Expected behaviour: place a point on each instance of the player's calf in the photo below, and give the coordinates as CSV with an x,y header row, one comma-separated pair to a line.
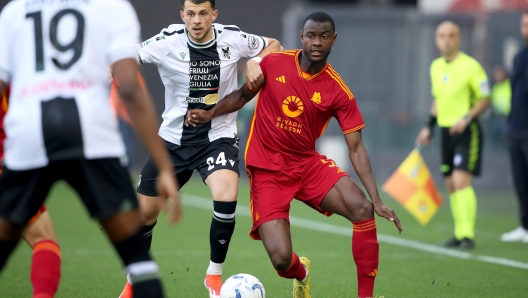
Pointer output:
x,y
124,230
365,251
142,271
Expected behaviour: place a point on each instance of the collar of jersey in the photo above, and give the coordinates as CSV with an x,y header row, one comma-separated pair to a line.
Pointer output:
x,y
205,45
300,70
457,58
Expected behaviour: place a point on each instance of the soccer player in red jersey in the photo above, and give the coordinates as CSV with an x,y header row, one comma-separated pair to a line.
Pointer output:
x,y
301,94
39,234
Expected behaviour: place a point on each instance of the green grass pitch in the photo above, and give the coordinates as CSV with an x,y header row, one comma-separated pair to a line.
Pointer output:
x,y
90,267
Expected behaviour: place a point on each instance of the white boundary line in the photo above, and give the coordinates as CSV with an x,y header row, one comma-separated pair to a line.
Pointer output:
x,y
205,203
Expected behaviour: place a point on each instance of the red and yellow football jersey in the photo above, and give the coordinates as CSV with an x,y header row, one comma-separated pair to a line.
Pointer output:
x,y
3,110
293,110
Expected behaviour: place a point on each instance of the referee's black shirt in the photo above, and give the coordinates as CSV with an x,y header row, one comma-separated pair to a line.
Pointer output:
x,y
518,119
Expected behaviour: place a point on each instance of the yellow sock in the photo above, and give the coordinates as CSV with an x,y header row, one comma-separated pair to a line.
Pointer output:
x,y
467,211
455,209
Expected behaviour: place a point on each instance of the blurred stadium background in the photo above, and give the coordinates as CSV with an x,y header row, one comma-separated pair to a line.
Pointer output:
x,y
383,53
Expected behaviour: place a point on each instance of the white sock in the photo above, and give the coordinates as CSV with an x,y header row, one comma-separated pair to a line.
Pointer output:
x,y
129,279
215,268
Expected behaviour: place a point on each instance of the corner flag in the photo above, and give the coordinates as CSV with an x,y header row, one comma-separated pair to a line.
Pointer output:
x,y
413,187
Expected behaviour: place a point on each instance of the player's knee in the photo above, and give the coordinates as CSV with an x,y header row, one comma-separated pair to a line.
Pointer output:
x,y
361,209
149,209
281,260
225,194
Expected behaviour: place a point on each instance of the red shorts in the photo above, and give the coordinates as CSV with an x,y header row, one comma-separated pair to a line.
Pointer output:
x,y
273,191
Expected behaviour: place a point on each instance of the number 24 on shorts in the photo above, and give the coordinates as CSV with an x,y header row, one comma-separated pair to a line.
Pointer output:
x,y
220,160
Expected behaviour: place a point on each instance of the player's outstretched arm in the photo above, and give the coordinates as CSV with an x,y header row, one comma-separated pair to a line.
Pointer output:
x,y
141,111
361,163
231,103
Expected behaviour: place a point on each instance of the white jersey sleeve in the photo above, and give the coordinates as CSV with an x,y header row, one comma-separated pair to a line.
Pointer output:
x,y
250,45
153,50
124,33
5,44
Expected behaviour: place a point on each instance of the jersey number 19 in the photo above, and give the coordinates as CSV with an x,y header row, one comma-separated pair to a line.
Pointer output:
x,y
76,44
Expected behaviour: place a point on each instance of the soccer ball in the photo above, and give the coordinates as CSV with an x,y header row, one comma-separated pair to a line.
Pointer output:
x,y
242,285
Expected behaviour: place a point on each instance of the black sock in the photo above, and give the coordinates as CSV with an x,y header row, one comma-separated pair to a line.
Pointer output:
x,y
6,248
144,272
222,227
147,234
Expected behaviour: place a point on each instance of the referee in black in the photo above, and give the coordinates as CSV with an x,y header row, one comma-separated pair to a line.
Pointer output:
x,y
518,135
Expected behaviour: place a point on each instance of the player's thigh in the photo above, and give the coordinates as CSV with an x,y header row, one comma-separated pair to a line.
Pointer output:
x,y
218,166
23,192
271,193
223,185
39,230
319,178
104,185
348,200
276,237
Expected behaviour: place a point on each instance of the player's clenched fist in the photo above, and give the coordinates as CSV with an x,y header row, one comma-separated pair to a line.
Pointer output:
x,y
197,116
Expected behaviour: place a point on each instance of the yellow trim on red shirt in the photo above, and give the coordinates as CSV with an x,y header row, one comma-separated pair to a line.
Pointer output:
x,y
334,75
354,129
301,72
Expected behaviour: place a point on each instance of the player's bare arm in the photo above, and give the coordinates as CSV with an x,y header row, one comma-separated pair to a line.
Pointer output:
x,y
231,103
254,75
2,86
141,112
361,163
481,106
426,134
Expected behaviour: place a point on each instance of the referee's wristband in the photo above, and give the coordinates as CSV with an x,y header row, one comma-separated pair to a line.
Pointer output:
x,y
431,122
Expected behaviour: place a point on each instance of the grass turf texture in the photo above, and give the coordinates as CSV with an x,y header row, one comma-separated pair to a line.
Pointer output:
x,y
91,268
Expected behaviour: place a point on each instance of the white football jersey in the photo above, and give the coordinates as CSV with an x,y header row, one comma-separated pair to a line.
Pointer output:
x,y
57,57
197,76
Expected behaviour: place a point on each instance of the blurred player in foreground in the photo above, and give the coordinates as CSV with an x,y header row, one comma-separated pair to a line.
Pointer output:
x,y
518,135
461,93
197,62
301,94
39,234
60,126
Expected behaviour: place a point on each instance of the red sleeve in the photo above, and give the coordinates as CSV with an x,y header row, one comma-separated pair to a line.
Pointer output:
x,y
348,115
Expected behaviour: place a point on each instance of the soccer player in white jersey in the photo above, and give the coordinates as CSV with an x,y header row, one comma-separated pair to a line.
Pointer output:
x,y
197,62
59,126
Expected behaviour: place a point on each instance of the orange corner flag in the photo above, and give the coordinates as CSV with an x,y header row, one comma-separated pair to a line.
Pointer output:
x,y
412,186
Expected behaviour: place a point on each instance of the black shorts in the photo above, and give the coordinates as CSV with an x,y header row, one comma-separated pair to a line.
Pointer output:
x,y
104,185
221,154
462,151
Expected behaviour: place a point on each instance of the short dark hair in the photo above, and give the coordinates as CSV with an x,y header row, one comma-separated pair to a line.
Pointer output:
x,y
198,2
320,17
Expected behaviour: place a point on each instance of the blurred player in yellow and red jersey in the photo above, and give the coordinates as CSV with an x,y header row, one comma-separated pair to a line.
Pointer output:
x,y
39,234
